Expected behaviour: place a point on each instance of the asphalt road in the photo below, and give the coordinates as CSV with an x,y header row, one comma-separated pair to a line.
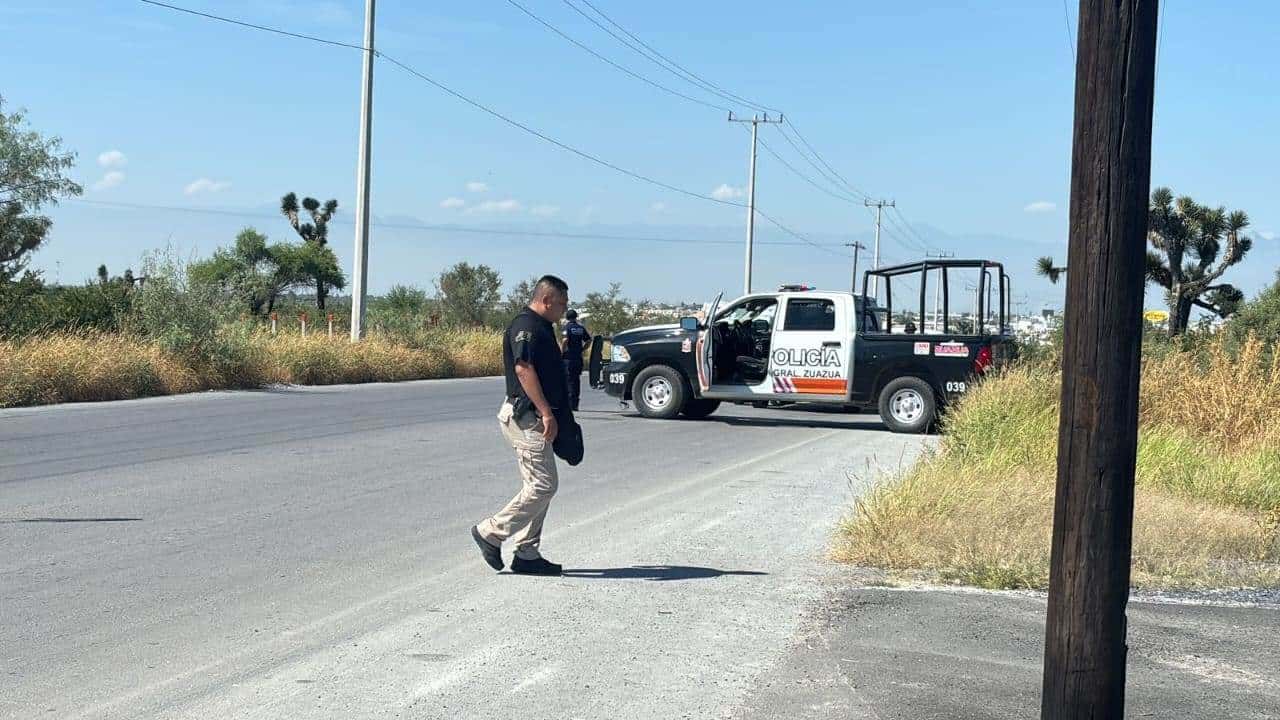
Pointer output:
x,y
929,653
303,553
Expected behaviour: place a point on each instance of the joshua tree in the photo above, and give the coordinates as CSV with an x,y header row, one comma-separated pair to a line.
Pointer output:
x,y
321,265
1188,239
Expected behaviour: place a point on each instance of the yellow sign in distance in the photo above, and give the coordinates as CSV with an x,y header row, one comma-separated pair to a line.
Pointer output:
x,y
1156,315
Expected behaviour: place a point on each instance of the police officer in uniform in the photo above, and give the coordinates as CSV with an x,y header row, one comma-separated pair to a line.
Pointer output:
x,y
536,388
576,338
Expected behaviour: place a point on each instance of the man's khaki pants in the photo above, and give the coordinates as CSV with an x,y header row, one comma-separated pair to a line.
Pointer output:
x,y
521,520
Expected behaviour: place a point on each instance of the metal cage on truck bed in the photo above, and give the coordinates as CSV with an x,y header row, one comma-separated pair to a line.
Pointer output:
x,y
987,283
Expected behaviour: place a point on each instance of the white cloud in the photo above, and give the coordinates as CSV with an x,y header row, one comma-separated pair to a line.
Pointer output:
x,y
113,159
476,186
204,185
1267,235
496,206
544,210
727,192
450,203
1040,206
658,207
110,180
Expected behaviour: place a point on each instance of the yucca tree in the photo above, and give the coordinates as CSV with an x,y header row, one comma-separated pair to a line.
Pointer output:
x,y
1193,246
1046,268
319,262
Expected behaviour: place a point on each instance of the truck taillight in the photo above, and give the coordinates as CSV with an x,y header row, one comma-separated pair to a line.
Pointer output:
x,y
983,361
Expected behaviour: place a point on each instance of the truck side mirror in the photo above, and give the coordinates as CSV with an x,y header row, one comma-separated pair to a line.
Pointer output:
x,y
689,323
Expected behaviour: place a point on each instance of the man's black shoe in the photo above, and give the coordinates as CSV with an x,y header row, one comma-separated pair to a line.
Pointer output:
x,y
541,566
492,553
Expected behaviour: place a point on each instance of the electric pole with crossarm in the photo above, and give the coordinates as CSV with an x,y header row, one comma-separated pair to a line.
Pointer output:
x,y
879,205
857,246
755,120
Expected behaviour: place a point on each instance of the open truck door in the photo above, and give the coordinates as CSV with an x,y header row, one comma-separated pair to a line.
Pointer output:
x,y
706,345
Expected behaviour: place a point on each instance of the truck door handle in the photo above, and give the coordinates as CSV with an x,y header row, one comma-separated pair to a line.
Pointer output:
x,y
831,343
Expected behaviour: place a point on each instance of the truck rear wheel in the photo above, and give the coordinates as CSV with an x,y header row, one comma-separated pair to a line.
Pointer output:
x,y
699,409
659,392
908,405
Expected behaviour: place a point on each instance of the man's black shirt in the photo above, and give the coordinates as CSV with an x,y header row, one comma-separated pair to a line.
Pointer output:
x,y
575,341
531,338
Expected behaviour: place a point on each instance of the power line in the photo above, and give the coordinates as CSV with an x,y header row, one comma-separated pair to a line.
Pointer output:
x,y
611,63
474,103
825,174
1163,7
797,235
911,229
480,106
895,231
826,164
426,227
670,65
580,153
264,28
1071,42
804,177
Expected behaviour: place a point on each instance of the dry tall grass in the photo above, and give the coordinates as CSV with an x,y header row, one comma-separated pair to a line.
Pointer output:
x,y
95,366
980,510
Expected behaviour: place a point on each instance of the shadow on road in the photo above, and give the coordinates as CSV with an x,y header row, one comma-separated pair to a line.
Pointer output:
x,y
69,520
851,424
655,572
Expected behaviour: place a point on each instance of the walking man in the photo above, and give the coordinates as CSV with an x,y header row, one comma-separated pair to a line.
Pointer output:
x,y
576,338
535,390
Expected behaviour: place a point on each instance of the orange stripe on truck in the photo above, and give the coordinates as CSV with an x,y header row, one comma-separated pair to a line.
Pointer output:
x,y
819,386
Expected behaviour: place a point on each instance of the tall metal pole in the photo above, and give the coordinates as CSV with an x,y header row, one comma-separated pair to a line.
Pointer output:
x,y
755,121
879,205
1092,543
751,213
360,269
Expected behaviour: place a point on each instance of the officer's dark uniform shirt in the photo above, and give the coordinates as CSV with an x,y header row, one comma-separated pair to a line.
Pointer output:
x,y
576,338
531,338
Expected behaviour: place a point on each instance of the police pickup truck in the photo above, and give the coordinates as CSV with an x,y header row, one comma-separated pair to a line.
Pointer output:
x,y
833,348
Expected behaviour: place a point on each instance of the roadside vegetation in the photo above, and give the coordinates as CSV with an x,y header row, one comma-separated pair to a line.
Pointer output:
x,y
979,510
179,332
233,319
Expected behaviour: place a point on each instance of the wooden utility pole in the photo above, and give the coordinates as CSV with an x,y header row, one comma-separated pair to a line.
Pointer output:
x,y
1085,650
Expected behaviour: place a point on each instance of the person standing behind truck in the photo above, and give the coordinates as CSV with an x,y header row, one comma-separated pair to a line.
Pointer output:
x,y
572,346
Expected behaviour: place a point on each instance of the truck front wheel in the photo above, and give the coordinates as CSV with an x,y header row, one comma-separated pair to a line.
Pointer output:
x,y
659,392
908,405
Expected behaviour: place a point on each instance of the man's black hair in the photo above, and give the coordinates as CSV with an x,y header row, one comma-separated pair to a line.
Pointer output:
x,y
550,282
571,314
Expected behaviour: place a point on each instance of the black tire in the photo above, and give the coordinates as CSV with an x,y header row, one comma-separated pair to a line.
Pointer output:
x,y
699,409
908,405
659,392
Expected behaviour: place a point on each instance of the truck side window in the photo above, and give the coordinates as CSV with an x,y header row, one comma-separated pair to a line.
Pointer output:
x,y
810,314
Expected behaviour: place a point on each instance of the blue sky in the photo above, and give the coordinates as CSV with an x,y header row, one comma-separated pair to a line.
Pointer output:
x,y
959,112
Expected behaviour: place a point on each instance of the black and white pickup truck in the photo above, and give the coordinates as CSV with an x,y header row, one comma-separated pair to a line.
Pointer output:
x,y
835,348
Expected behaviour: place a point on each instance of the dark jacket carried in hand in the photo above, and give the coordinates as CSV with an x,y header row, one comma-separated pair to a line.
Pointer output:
x,y
569,444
